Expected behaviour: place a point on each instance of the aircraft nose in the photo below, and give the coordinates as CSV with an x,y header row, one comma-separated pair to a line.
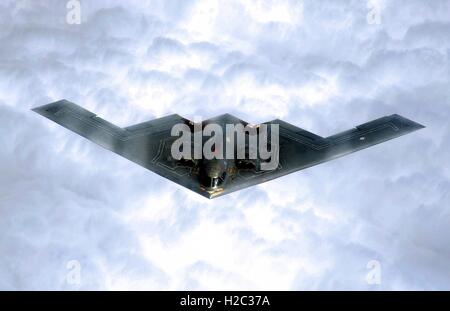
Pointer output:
x,y
213,173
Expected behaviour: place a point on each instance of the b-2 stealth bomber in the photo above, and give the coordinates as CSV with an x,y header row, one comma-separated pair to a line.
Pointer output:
x,y
150,144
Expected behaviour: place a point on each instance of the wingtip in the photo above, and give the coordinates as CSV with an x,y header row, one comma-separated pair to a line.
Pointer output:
x,y
37,109
42,109
412,125
418,125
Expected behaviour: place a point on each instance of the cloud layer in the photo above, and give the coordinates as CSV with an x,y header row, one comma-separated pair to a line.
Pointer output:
x,y
322,65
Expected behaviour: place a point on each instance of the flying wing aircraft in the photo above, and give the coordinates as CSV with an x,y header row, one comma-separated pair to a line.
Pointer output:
x,y
149,145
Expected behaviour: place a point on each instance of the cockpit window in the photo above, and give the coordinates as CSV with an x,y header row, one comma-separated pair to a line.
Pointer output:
x,y
213,182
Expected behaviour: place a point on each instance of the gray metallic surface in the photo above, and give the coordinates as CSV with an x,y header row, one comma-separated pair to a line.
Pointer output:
x,y
148,144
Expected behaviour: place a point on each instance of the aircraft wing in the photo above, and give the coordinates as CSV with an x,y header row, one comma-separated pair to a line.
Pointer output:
x,y
147,144
300,149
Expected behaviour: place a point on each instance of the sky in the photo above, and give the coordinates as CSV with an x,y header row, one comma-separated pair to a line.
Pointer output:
x,y
74,216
